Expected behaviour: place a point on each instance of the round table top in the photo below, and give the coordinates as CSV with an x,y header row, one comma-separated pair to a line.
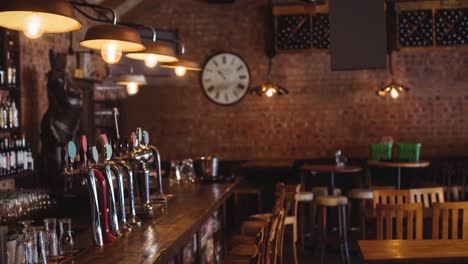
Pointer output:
x,y
399,164
331,168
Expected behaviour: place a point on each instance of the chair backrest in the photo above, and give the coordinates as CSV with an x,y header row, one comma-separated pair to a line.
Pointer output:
x,y
401,214
451,219
427,196
280,195
291,202
271,249
390,196
452,193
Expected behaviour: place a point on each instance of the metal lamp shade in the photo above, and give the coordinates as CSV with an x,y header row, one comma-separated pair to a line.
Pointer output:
x,y
130,78
127,39
163,52
56,16
187,64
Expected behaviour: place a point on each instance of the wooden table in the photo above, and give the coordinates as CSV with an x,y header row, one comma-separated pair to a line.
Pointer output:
x,y
414,251
328,168
398,166
268,164
157,240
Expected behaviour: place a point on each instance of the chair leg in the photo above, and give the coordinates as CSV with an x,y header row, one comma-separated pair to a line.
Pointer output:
x,y
340,234
295,241
236,208
323,232
301,216
345,234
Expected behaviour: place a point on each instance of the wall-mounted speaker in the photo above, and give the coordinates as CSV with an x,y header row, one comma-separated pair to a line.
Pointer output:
x,y
357,34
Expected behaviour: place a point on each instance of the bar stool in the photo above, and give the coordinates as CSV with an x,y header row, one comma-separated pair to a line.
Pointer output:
x,y
319,191
302,199
364,197
340,204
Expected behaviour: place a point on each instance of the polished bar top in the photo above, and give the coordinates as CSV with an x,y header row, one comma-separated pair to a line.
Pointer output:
x,y
158,239
414,251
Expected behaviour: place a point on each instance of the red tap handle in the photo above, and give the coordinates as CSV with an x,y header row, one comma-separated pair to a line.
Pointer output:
x,y
103,139
84,148
108,237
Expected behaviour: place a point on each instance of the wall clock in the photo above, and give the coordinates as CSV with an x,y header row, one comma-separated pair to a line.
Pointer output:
x,y
225,78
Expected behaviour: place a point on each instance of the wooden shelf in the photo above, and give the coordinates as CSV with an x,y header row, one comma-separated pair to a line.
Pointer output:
x,y
17,175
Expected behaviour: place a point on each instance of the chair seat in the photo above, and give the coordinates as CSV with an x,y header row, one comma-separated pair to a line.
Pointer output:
x,y
363,194
323,190
261,217
331,201
305,197
252,228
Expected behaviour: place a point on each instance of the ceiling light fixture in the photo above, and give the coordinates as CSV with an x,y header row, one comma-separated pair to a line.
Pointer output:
x,y
35,17
112,40
393,89
154,52
182,66
131,81
269,89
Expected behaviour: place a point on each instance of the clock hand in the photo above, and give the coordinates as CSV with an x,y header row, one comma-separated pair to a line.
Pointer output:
x,y
297,27
222,75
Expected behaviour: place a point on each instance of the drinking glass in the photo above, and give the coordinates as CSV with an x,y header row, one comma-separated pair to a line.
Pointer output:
x,y
174,174
51,239
66,237
188,173
340,159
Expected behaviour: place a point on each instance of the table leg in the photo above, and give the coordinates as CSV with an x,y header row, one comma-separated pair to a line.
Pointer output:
x,y
399,178
332,183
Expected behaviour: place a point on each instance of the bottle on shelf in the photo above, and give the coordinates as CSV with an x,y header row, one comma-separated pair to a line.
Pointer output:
x,y
15,155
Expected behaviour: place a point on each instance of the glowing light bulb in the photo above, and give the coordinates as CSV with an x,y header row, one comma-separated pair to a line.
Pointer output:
x,y
270,92
111,53
33,27
180,71
132,88
394,93
151,61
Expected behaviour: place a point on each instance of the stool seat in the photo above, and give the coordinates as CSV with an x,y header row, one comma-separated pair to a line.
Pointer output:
x,y
305,197
261,217
364,194
331,201
323,190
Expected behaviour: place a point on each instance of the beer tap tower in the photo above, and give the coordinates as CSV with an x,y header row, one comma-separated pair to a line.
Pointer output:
x,y
72,173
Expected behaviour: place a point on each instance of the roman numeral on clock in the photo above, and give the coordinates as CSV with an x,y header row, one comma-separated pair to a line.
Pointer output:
x,y
210,89
215,63
241,86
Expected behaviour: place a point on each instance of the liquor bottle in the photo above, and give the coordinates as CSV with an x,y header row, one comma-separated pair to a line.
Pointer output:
x,y
4,112
10,114
14,113
12,156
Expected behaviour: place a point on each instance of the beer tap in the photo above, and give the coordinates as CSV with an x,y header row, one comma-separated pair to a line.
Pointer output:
x,y
157,163
122,149
108,236
140,159
87,174
116,168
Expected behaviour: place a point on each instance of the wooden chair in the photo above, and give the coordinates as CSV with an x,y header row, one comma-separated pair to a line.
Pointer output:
x,y
453,193
286,198
450,223
412,214
427,196
390,197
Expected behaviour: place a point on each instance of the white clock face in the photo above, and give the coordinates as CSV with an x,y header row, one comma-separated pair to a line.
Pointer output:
x,y
225,78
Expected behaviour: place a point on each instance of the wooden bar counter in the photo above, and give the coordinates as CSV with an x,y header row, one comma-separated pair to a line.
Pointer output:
x,y
157,240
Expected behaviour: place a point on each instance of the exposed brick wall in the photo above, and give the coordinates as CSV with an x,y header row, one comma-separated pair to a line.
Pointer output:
x,y
324,111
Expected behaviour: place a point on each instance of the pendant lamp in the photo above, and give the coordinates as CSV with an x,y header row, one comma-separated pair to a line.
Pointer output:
x,y
112,40
131,81
268,88
393,89
35,17
154,53
182,66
